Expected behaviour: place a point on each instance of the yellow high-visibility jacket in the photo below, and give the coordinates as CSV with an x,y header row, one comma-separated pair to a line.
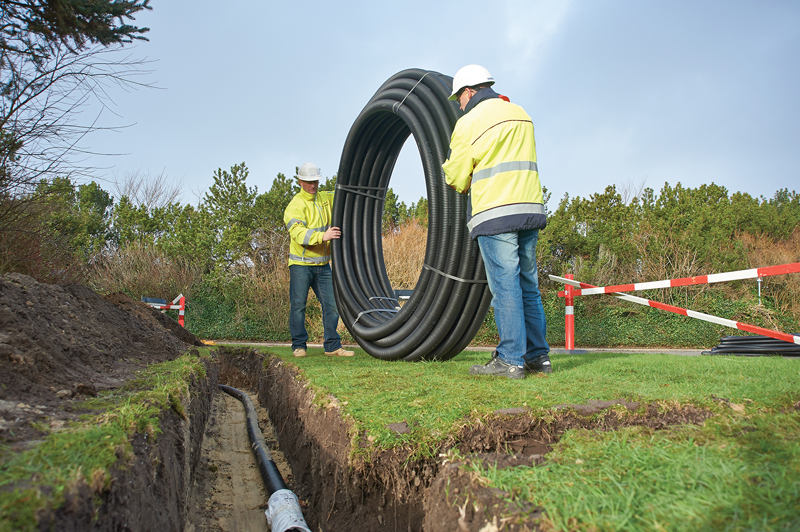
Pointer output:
x,y
493,157
307,217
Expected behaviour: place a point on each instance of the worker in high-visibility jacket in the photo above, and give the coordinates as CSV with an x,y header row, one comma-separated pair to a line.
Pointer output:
x,y
308,219
493,158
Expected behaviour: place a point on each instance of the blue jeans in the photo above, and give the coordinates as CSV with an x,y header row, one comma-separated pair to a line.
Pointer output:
x,y
319,279
510,260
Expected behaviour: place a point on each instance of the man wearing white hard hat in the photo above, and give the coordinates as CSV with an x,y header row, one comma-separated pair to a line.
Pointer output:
x,y
308,219
493,158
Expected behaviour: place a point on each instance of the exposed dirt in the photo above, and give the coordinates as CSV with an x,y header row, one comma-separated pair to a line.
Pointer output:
x,y
57,342
60,342
228,494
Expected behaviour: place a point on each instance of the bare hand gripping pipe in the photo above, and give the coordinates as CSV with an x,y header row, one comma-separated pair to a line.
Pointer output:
x,y
283,511
451,297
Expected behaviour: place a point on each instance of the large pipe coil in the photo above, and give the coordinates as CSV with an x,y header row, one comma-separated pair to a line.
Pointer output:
x,y
451,297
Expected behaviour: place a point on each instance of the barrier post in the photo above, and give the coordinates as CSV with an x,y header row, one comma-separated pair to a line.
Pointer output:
x,y
181,311
569,317
179,304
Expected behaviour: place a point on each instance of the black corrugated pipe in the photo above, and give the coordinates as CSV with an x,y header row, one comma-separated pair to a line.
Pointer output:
x,y
283,512
756,345
451,297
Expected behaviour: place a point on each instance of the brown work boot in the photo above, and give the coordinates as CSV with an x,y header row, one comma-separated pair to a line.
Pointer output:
x,y
340,353
299,352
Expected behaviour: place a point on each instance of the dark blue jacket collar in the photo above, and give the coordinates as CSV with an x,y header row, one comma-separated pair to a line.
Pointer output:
x,y
483,94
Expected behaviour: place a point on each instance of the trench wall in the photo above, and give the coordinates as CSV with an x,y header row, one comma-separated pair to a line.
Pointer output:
x,y
150,491
316,439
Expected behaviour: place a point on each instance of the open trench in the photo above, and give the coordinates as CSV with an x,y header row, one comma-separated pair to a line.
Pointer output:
x,y
336,492
200,474
227,492
390,492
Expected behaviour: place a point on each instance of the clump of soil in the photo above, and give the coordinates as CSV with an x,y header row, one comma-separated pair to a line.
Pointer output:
x,y
57,342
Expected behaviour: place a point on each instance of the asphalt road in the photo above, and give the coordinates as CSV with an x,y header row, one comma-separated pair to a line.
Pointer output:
x,y
554,350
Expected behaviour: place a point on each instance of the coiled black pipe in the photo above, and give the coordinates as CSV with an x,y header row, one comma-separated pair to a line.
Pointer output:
x,y
451,297
283,512
754,346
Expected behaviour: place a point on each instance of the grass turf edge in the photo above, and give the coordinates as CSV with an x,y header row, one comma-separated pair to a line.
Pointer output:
x,y
36,482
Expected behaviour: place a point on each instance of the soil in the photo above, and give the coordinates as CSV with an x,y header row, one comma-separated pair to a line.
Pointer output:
x,y
228,494
58,343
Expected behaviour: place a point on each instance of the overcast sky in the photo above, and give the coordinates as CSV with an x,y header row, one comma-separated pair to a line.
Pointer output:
x,y
624,93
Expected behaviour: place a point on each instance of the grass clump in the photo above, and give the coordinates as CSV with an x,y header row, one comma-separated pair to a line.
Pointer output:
x,y
38,478
736,474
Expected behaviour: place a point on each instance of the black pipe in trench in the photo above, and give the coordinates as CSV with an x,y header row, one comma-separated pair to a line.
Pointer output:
x,y
283,512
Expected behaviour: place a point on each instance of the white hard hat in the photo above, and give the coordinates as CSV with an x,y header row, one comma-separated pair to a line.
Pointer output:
x,y
469,76
309,172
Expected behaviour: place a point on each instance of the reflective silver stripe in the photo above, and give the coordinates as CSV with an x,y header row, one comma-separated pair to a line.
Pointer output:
x,y
310,232
513,166
505,210
294,221
311,260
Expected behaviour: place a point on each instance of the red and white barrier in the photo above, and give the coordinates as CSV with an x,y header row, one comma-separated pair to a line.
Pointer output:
x,y
753,273
179,304
587,289
569,317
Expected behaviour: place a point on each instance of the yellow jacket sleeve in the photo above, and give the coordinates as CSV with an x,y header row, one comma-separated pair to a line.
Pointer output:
x,y
458,167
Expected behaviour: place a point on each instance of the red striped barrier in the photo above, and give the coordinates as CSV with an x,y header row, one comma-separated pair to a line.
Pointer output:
x,y
179,304
753,273
569,317
587,289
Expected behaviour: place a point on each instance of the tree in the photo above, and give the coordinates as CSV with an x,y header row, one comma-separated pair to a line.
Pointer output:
x,y
230,206
32,27
269,206
419,211
77,216
395,212
148,189
54,59
50,62
65,227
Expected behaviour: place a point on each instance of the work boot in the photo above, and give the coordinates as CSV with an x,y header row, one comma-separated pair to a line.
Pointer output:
x,y
340,353
540,364
299,352
497,366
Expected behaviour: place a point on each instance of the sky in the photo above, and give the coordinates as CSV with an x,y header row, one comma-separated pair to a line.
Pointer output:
x,y
632,94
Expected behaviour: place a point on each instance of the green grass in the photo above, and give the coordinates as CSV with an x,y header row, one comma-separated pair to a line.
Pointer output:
x,y
38,478
739,471
741,474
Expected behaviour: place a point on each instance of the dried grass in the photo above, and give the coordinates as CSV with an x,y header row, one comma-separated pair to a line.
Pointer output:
x,y
762,252
266,285
143,271
404,254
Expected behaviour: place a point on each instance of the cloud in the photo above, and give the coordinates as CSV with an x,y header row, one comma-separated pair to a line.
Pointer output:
x,y
530,27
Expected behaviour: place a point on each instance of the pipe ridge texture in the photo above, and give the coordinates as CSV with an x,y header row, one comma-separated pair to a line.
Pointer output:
x,y
272,478
754,345
451,297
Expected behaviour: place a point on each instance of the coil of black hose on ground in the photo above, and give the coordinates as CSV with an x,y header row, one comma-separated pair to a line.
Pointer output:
x,y
451,297
756,345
